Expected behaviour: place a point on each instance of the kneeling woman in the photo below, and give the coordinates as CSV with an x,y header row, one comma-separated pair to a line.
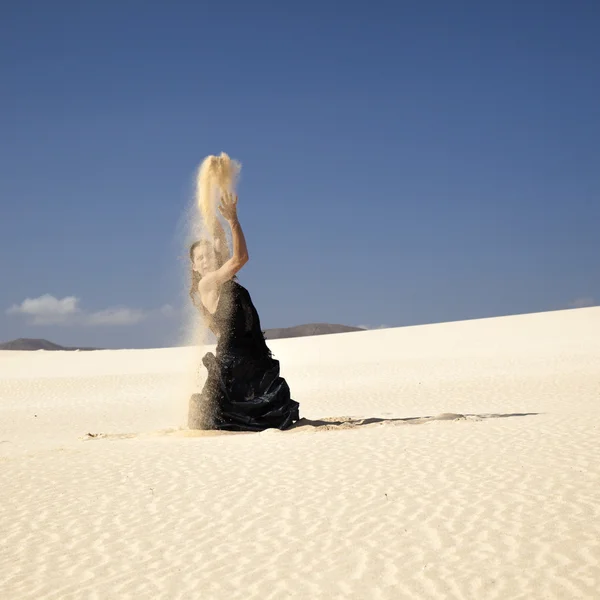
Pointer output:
x,y
243,391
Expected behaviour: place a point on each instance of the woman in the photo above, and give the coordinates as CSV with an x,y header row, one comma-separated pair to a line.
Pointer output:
x,y
244,391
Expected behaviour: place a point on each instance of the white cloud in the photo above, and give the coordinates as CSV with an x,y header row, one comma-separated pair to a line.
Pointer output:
x,y
582,302
48,310
116,316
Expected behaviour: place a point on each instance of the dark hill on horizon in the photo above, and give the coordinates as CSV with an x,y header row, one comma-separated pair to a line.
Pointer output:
x,y
310,329
37,344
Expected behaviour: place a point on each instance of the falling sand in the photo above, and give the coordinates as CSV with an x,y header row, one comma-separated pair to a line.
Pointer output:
x,y
215,176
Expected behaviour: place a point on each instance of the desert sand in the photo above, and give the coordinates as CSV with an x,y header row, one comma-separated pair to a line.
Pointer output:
x,y
455,460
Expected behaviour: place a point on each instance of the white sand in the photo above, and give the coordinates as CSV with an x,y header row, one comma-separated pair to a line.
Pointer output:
x,y
494,505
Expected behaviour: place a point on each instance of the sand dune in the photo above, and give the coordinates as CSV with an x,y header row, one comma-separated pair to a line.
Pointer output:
x,y
457,460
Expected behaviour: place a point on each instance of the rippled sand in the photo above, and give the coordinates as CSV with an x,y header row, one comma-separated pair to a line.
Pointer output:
x,y
457,460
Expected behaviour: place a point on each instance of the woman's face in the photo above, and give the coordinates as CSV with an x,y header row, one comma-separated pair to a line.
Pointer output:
x,y
205,260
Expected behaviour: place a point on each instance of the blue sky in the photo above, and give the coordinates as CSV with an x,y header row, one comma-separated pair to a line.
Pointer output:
x,y
403,163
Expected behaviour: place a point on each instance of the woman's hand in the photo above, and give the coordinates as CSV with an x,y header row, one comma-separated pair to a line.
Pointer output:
x,y
228,207
239,258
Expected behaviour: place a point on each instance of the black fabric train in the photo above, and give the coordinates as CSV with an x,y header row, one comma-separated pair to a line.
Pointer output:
x,y
243,391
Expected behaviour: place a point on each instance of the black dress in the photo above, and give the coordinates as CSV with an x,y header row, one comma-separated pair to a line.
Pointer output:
x,y
243,391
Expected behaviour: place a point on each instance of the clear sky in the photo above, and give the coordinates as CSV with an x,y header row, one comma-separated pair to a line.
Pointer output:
x,y
403,162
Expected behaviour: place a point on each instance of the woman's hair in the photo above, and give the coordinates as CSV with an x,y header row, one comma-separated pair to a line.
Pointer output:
x,y
195,275
219,247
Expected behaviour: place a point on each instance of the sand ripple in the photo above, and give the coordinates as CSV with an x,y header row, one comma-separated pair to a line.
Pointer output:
x,y
491,490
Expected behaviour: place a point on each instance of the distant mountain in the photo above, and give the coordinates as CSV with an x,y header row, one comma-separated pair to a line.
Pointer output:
x,y
308,330
34,344
271,334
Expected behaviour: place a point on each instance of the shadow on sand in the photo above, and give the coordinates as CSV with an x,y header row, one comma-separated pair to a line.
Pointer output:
x,y
324,424
328,423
